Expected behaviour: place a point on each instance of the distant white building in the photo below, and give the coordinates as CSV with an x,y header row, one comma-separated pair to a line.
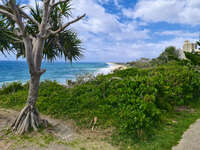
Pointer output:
x,y
188,47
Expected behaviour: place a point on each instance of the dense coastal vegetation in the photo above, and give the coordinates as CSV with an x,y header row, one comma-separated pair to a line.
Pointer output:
x,y
139,104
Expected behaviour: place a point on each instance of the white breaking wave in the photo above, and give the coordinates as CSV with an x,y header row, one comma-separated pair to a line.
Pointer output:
x,y
108,69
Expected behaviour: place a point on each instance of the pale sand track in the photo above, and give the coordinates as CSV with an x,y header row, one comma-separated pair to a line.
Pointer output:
x,y
190,139
61,135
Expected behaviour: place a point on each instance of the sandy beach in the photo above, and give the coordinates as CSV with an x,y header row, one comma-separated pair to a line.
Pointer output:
x,y
63,73
110,68
115,66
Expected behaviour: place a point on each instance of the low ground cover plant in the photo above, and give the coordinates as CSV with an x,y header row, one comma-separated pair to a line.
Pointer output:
x,y
134,101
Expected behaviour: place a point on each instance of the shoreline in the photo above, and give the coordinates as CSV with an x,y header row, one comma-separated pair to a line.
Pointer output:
x,y
117,66
111,66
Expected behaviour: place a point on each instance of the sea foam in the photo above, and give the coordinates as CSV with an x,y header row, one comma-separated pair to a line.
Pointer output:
x,y
106,70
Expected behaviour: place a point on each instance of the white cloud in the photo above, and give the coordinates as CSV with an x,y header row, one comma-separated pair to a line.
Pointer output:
x,y
105,38
128,12
98,50
178,33
171,11
129,31
116,2
124,52
97,19
103,1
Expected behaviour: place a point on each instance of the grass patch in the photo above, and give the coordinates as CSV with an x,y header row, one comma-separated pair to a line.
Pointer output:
x,y
164,136
39,139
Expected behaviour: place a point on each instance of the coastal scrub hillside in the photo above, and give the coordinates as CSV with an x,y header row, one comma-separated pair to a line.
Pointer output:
x,y
133,101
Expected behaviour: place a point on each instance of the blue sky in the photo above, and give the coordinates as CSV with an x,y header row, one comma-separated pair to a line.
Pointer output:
x,y
126,30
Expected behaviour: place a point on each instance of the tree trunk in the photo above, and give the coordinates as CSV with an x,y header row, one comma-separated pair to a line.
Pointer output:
x,y
29,117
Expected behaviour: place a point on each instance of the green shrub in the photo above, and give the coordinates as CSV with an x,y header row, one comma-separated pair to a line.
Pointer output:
x,y
11,87
132,100
193,57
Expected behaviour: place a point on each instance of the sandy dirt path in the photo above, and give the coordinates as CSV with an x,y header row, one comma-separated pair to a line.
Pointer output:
x,y
61,135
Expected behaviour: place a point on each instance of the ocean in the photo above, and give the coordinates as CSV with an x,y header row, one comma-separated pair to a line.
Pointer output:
x,y
60,71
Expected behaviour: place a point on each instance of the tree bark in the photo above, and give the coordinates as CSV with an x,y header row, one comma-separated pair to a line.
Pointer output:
x,y
29,117
33,89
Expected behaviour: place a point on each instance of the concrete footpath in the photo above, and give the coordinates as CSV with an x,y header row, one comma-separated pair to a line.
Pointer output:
x,y
190,139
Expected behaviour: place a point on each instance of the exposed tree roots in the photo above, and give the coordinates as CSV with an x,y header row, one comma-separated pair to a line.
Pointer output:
x,y
28,119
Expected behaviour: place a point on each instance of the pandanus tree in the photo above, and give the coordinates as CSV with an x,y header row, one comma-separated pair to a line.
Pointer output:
x,y
40,34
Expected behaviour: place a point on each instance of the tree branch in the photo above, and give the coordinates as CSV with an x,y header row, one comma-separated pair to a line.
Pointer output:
x,y
18,17
5,8
26,39
29,17
45,17
18,41
16,36
7,14
42,71
68,24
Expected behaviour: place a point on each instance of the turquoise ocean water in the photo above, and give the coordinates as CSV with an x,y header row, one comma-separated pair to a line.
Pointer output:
x,y
60,71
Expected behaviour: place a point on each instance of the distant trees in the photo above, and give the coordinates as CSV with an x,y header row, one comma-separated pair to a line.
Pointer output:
x,y
141,63
170,53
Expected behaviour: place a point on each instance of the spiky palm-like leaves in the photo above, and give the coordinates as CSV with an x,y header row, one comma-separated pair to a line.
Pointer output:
x,y
66,45
7,37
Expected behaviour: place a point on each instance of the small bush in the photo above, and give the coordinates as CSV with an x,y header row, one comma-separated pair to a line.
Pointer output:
x,y
11,87
80,79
